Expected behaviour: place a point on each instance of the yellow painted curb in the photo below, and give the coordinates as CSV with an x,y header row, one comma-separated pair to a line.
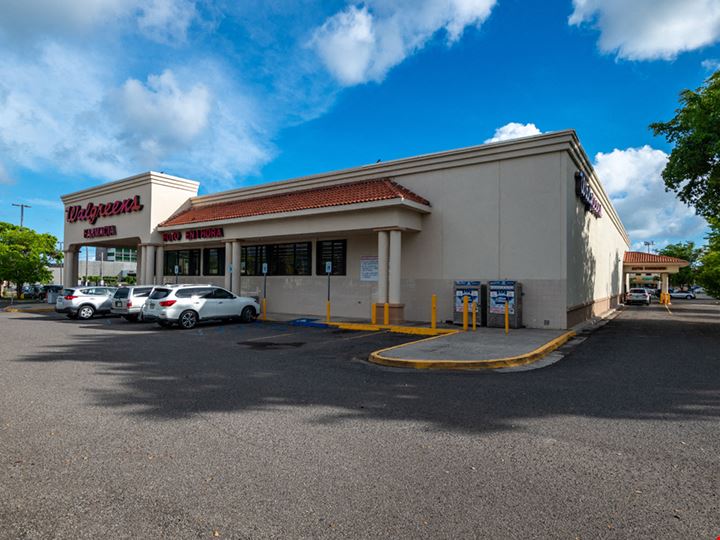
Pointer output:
x,y
494,363
414,330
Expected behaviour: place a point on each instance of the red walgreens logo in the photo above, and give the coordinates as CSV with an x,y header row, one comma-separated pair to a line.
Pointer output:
x,y
92,212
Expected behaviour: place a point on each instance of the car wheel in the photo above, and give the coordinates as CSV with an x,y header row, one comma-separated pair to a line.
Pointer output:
x,y
248,314
188,320
688,297
86,312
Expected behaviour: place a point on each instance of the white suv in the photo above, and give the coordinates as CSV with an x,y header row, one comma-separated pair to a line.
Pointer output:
x,y
186,305
128,301
85,302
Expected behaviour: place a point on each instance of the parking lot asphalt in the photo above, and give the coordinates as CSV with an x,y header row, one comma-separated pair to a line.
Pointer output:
x,y
115,430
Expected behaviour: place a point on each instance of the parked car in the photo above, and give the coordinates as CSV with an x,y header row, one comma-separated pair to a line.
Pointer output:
x,y
187,305
129,301
85,302
637,296
50,293
687,295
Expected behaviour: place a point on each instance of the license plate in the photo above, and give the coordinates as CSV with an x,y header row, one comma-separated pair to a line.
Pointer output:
x,y
118,304
152,304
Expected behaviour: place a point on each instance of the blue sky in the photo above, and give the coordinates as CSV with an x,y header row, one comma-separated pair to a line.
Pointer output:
x,y
238,93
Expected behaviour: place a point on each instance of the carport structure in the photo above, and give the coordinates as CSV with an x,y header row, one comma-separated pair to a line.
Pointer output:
x,y
637,262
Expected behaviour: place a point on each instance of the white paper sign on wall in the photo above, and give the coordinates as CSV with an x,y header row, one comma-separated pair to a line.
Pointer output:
x,y
368,268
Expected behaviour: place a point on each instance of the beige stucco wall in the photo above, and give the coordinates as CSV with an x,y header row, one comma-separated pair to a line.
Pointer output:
x,y
595,250
306,295
161,195
498,220
502,211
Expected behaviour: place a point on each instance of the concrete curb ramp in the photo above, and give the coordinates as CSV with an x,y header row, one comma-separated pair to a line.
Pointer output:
x,y
413,330
378,357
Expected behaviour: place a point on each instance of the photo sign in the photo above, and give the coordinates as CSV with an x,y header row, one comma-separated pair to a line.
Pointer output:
x,y
501,293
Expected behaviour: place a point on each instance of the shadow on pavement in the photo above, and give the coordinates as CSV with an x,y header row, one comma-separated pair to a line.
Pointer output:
x,y
642,365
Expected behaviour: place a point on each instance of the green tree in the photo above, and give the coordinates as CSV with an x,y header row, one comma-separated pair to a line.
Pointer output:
x,y
25,255
693,170
708,274
688,252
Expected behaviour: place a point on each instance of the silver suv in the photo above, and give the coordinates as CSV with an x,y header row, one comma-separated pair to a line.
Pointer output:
x,y
85,302
128,301
186,305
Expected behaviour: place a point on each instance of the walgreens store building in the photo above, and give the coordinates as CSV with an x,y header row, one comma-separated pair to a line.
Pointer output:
x,y
530,210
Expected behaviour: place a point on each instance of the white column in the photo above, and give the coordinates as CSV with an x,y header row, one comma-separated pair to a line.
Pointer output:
x,y
382,296
68,268
236,268
74,269
627,282
228,259
394,272
150,265
159,265
142,265
664,278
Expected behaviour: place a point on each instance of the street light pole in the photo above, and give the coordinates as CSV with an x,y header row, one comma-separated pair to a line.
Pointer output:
x,y
22,211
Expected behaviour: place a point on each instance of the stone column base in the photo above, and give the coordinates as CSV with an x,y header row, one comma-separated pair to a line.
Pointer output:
x,y
396,313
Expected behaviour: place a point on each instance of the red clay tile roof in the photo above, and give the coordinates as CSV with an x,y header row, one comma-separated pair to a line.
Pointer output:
x,y
638,257
323,197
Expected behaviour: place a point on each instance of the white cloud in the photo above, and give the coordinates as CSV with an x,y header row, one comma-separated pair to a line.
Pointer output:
x,y
513,130
5,178
650,29
54,204
362,44
160,116
160,20
64,110
632,178
711,64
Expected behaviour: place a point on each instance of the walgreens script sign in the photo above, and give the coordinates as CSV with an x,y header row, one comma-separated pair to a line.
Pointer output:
x,y
92,212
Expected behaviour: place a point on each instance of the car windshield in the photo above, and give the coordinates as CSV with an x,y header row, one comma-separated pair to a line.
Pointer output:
x,y
637,291
122,293
68,292
157,294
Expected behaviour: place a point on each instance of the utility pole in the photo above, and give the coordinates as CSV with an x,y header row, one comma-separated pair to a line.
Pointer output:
x,y
648,244
22,211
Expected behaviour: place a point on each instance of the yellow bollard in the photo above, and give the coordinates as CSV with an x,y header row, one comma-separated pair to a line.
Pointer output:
x,y
474,316
386,314
327,312
507,316
373,313
264,309
465,313
433,312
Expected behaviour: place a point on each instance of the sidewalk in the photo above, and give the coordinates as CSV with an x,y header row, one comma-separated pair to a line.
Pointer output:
x,y
485,348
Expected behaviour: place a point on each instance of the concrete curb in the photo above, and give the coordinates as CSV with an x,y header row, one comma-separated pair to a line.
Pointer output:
x,y
449,364
11,309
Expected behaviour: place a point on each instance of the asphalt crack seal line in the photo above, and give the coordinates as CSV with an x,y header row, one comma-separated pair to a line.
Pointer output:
x,y
493,363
